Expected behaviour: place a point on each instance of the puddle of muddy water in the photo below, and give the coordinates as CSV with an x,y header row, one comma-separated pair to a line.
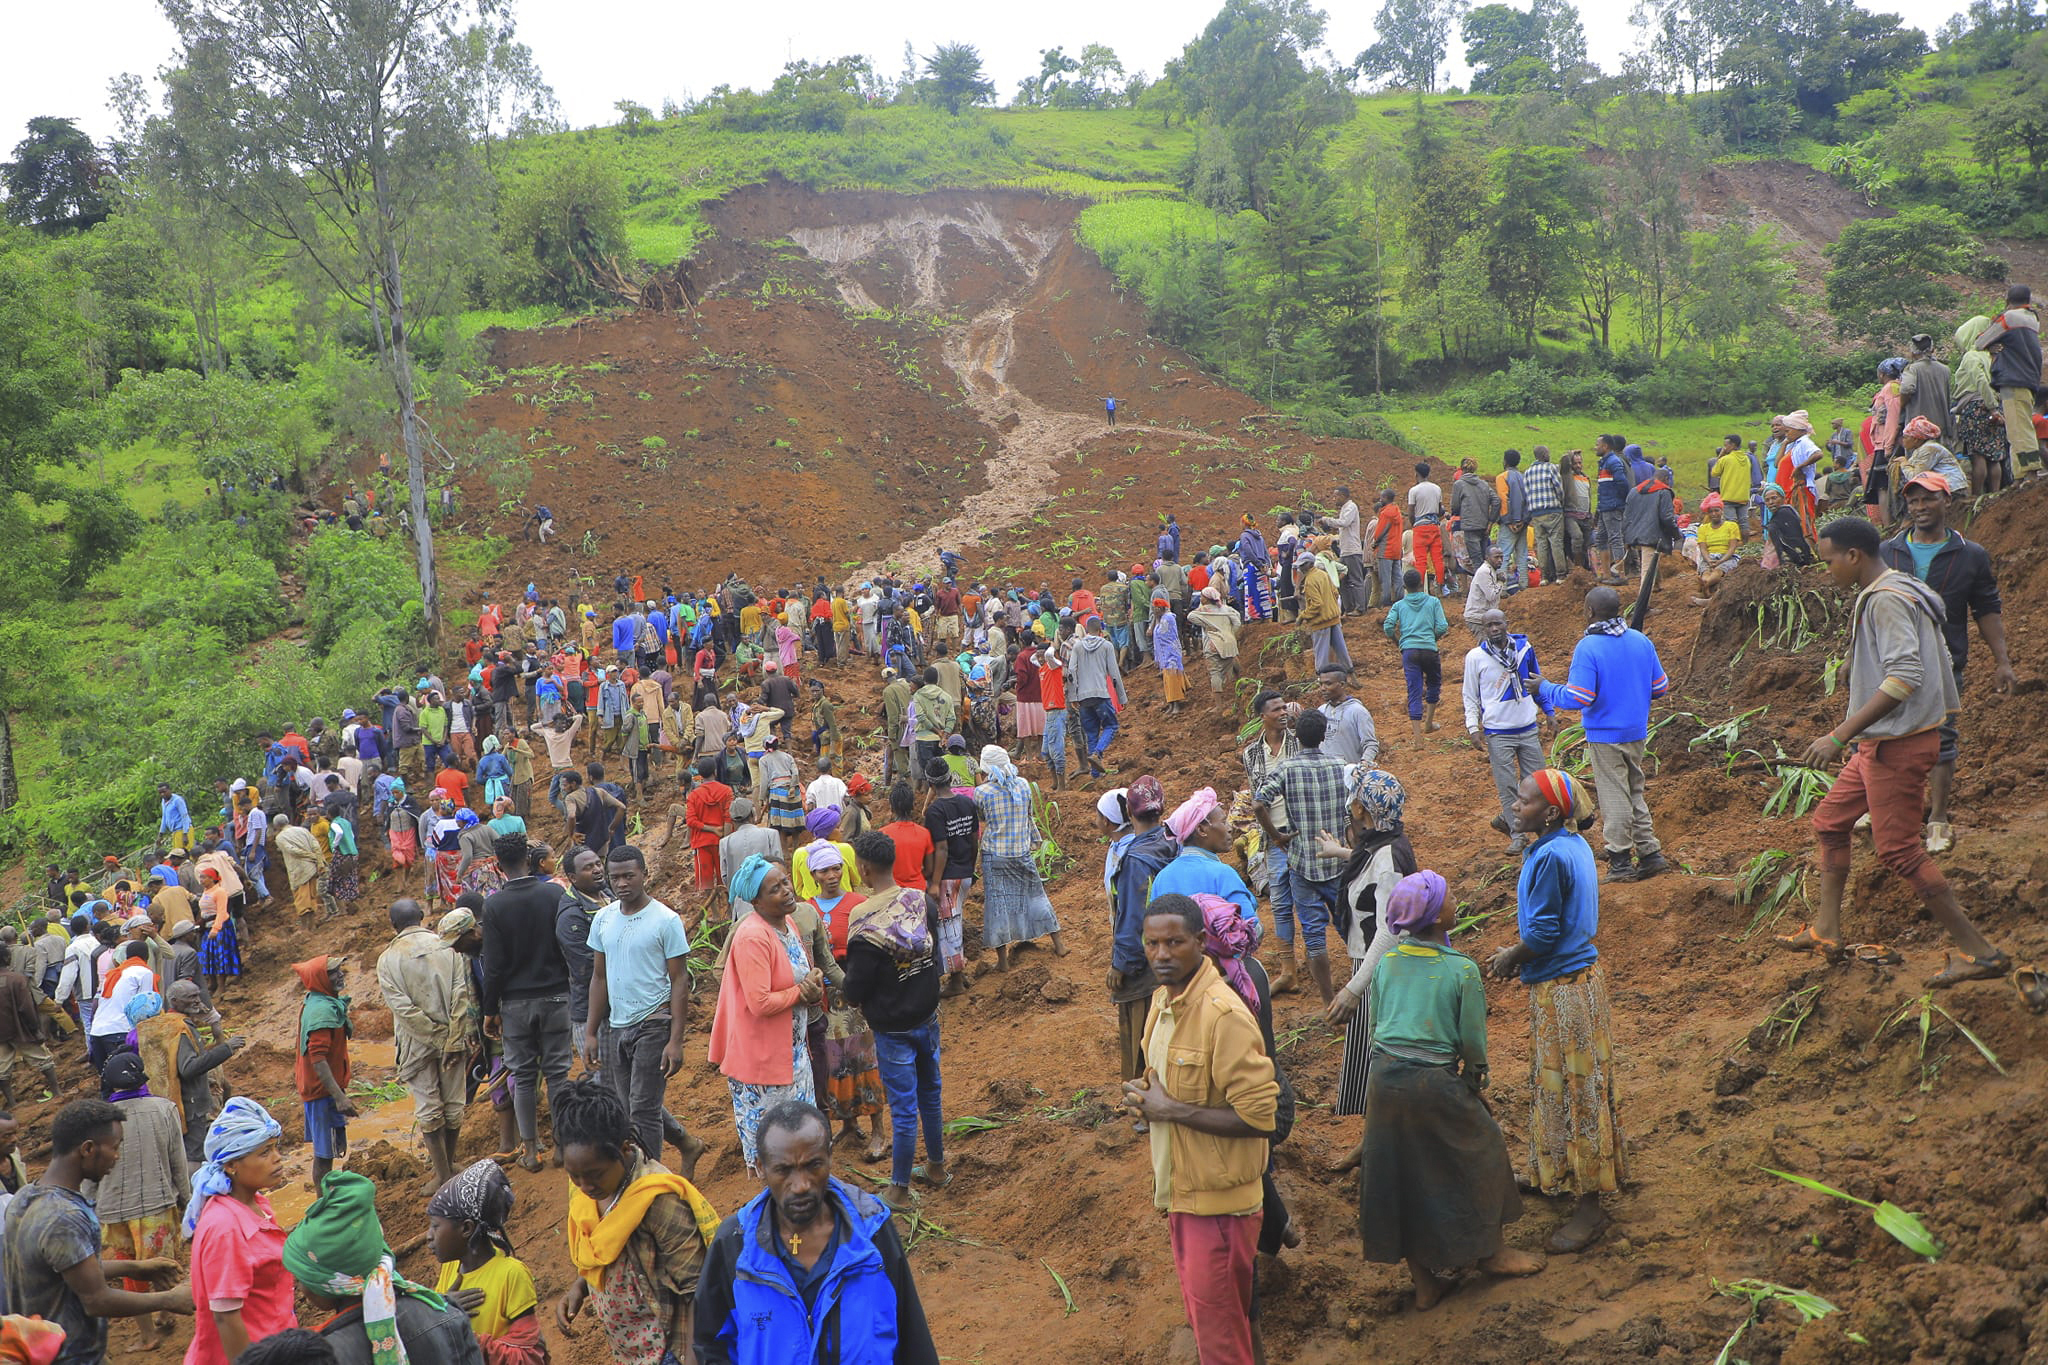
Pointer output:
x,y
390,1121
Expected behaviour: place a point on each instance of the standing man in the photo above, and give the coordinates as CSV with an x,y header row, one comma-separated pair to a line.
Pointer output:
x,y
174,824
1316,801
1614,675
640,988
425,984
1351,550
1426,514
1273,745
1614,483
1142,857
525,997
1960,570
21,1032
1731,477
1502,711
1109,408
932,720
1211,1096
2014,339
1323,618
1512,488
1096,678
584,867
1351,737
896,694
1475,507
1901,691
1543,501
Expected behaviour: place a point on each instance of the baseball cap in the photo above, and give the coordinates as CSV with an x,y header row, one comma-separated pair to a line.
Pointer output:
x,y
1932,479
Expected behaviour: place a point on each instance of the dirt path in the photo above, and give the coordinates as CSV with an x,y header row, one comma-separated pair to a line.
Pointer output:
x,y
1032,440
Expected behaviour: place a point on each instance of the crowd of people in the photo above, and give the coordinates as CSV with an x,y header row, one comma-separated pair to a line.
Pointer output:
x,y
834,908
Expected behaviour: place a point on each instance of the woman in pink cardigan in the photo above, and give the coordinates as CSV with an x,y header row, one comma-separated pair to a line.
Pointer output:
x,y
764,1002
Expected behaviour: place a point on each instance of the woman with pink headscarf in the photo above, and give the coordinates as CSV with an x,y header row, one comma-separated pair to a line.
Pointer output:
x,y
1201,826
1435,1187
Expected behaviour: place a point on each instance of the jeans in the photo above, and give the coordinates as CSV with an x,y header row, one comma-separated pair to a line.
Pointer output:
x,y
436,755
1390,581
1277,888
632,1067
555,797
1424,669
1315,905
909,1063
1098,724
1513,757
1475,547
922,752
1053,744
259,858
1514,558
537,1044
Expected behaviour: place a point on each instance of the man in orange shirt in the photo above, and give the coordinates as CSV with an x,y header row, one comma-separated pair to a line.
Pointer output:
x,y
707,811
1083,600
1385,545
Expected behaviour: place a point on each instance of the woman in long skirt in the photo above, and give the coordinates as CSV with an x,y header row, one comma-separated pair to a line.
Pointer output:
x,y
764,1002
220,952
344,882
1379,859
1435,1187
785,797
1015,908
853,1077
1166,653
402,828
1575,1141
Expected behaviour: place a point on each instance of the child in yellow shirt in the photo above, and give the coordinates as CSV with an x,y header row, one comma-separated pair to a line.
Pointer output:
x,y
479,1274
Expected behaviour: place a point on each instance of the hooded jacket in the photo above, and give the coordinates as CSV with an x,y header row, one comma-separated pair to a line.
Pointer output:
x,y
749,1310
1093,674
1896,647
1648,518
1474,503
2017,334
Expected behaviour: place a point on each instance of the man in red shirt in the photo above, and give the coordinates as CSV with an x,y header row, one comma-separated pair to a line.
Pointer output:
x,y
1083,600
1385,539
945,615
707,810
1052,693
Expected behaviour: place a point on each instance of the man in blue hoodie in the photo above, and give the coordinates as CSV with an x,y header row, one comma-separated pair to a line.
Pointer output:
x,y
1614,675
1614,483
810,1268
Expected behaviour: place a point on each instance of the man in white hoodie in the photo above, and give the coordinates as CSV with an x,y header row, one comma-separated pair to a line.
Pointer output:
x,y
1503,709
1093,678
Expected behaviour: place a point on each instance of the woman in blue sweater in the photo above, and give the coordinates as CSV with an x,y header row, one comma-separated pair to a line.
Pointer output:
x,y
1574,1135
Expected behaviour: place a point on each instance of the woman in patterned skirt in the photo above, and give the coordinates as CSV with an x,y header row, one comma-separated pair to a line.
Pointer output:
x,y
1575,1137
853,1078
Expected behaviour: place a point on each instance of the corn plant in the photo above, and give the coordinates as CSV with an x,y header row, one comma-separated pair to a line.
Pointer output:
x,y
1759,1295
974,1123
1066,1295
1757,886
1570,740
1924,1008
1799,790
1831,674
1727,733
1905,1228
1781,1026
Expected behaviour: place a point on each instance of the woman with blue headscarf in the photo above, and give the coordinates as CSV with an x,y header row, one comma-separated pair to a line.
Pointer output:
x,y
765,998
1435,1187
239,1282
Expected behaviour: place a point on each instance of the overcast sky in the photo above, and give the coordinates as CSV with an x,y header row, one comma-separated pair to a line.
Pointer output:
x,y
61,58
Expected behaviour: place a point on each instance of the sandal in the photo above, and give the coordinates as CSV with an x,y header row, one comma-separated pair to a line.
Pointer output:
x,y
1804,940
1559,1244
919,1174
1876,954
2033,988
1941,836
1972,969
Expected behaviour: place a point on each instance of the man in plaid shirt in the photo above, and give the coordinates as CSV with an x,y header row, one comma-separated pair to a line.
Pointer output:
x,y
1273,745
1543,494
1312,787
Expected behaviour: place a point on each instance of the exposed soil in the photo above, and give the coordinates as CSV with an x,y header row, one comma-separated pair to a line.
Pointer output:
x,y
1004,317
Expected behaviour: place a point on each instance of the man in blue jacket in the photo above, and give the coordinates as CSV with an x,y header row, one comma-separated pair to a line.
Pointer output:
x,y
1614,483
1614,675
810,1269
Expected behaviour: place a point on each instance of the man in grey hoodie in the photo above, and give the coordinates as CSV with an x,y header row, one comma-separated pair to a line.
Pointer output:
x,y
1901,690
1092,679
1476,506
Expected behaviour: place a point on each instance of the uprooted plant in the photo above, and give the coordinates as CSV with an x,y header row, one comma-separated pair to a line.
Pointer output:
x,y
1759,1295
1923,1008
1905,1228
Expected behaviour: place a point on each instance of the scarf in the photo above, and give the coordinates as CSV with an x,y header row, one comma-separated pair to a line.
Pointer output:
x,y
242,1126
338,1251
1613,625
1191,813
1226,938
322,1009
1565,792
481,1194
1416,903
596,1241
1378,792
140,1092
746,881
1508,655
997,767
899,924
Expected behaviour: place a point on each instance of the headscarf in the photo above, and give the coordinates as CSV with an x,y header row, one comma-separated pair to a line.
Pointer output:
x,y
898,923
1417,901
1379,793
1560,789
821,822
1892,368
240,1128
1227,938
322,1008
338,1251
746,882
481,1194
123,1078
1145,796
999,768
823,856
1920,429
1710,502
1967,334
1113,807
491,744
144,1005
1798,421
1190,813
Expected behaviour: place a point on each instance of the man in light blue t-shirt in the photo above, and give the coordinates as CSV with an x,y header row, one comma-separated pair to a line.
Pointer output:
x,y
640,990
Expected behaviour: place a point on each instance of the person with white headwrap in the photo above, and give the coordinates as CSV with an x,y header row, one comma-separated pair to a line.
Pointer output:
x,y
239,1282
1015,908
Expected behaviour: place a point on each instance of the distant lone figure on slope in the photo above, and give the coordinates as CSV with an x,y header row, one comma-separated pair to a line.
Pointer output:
x,y
1109,408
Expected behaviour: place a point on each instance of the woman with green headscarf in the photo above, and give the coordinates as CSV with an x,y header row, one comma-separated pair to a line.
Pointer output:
x,y
342,1264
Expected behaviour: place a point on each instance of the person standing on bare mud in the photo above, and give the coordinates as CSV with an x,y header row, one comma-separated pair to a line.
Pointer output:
x,y
1960,570
425,984
1502,712
1322,617
1614,675
1575,1140
1351,550
1902,690
1096,681
1109,408
1310,787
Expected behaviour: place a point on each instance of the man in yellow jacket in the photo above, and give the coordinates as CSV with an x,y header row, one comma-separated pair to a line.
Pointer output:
x,y
1211,1097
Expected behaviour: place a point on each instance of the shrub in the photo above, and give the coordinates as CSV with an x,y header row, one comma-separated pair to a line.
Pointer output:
x,y
559,227
350,578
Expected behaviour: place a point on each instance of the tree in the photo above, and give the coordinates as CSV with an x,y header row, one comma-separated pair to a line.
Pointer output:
x,y
1530,221
1886,280
341,130
53,182
45,384
1440,212
1511,50
1415,37
634,117
953,78
1054,66
1740,280
1247,78
243,431
563,227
